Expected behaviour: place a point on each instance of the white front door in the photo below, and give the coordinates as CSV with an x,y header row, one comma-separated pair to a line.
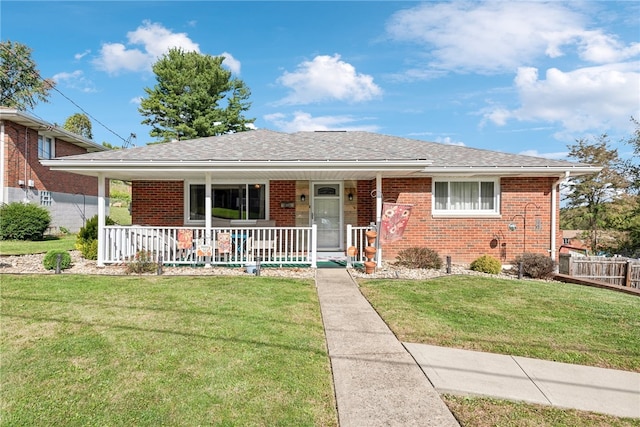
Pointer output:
x,y
327,214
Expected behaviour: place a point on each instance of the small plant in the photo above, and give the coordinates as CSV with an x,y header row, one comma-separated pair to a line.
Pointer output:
x,y
537,266
87,240
142,263
50,260
64,230
416,257
23,221
487,264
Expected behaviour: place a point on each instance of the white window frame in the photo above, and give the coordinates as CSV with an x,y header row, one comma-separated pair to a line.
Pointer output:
x,y
492,213
187,195
42,139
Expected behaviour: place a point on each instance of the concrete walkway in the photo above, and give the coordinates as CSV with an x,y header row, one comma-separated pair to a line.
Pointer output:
x,y
378,382
463,372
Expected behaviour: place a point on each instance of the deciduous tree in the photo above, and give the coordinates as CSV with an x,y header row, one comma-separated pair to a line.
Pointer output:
x,y
596,192
21,85
79,124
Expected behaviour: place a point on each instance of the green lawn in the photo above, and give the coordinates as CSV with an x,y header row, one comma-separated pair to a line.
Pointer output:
x,y
552,321
21,247
149,351
545,320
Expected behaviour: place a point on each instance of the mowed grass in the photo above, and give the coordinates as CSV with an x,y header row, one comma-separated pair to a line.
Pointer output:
x,y
149,351
544,320
22,247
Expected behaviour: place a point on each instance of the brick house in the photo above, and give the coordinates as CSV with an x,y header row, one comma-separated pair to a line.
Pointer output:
x,y
25,142
463,202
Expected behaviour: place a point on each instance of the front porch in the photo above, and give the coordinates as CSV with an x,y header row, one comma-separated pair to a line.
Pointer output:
x,y
224,246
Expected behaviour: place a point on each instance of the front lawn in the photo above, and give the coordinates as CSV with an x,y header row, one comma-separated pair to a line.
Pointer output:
x,y
24,247
149,351
551,321
544,320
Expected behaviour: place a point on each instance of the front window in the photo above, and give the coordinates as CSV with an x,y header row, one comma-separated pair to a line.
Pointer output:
x,y
465,197
229,201
45,147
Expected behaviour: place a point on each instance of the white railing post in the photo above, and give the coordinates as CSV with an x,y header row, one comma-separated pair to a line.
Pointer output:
x,y
349,243
314,245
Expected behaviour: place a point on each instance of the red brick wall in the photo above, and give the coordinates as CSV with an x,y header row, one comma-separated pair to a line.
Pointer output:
x,y
157,203
161,203
465,239
282,191
22,164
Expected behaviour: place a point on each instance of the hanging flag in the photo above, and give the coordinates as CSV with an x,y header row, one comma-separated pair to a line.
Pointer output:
x,y
394,221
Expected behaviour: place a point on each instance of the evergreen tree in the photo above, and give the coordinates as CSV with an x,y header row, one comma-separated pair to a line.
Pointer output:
x,y
187,100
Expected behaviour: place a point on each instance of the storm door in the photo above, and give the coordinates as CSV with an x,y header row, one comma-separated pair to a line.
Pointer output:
x,y
327,214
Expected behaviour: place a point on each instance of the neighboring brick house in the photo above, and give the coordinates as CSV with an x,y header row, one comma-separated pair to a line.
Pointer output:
x,y
464,202
25,141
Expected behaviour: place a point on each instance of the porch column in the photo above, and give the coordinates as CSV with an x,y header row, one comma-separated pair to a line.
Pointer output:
x,y
378,216
207,209
102,239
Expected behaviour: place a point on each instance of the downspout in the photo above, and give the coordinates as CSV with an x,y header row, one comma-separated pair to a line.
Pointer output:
x,y
554,221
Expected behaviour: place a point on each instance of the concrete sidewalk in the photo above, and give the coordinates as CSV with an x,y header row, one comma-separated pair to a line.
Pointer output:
x,y
587,388
377,382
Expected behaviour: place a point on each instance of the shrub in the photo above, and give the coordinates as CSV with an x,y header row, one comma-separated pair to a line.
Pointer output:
x,y
142,263
23,221
87,239
487,264
419,258
537,266
51,259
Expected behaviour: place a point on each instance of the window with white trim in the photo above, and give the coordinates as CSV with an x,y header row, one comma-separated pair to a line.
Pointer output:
x,y
229,201
466,196
46,147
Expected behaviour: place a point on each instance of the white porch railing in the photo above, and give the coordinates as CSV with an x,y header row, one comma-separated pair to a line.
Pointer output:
x,y
356,237
278,246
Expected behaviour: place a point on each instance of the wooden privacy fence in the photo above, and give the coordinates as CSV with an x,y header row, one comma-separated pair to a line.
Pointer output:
x,y
616,271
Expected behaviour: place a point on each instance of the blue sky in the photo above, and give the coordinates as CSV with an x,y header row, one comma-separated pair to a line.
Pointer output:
x,y
513,76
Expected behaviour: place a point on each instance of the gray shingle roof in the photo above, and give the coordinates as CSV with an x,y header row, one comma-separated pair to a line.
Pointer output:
x,y
266,145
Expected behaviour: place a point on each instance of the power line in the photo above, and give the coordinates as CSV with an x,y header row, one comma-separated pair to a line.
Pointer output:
x,y
37,74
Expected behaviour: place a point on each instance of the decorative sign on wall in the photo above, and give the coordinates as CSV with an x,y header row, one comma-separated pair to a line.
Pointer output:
x,y
394,221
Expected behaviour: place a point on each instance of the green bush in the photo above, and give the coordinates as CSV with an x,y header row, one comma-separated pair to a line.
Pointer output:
x,y
419,258
87,239
51,259
23,221
142,263
487,264
537,266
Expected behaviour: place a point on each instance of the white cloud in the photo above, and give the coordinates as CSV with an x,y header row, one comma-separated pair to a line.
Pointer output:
x,y
75,80
327,78
81,55
154,41
554,156
447,140
302,121
230,62
135,100
593,98
497,37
